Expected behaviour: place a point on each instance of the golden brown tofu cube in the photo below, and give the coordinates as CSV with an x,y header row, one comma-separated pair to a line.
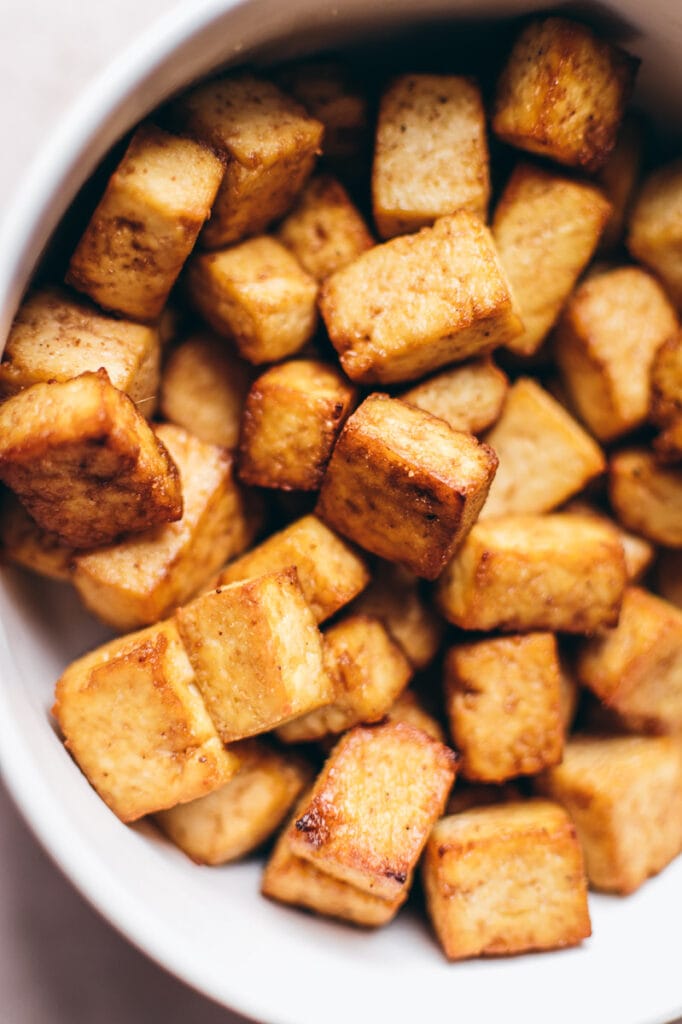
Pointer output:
x,y
430,153
639,553
257,654
636,668
134,722
546,228
518,573
373,805
268,142
506,879
258,295
328,91
293,415
410,708
466,795
325,230
503,697
469,397
144,577
618,179
655,228
403,485
605,345
237,818
569,692
330,572
563,92
544,455
624,794
666,396
647,497
26,544
146,224
416,303
669,576
84,462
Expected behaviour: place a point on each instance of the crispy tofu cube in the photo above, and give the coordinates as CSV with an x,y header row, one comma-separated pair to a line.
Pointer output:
x,y
373,805
330,572
268,142
328,91
146,223
256,654
618,179
518,573
135,724
569,692
469,397
26,544
624,794
466,795
416,303
544,455
506,879
258,295
563,92
145,576
410,708
655,228
605,346
325,230
431,153
546,228
669,576
666,397
369,672
647,497
293,415
84,462
503,698
403,485
636,668
237,818
639,553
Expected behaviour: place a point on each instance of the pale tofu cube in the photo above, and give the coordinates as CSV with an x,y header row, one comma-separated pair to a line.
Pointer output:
x,y
646,496
655,228
26,544
469,397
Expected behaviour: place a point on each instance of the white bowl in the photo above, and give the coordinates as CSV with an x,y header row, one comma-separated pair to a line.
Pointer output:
x,y
209,926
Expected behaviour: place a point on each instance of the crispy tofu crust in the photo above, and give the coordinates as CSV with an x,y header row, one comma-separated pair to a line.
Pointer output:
x,y
639,552
655,228
23,542
469,397
646,496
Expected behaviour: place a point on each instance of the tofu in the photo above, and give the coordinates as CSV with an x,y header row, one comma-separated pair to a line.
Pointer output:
x,y
403,485
569,692
506,879
469,397
410,708
293,414
134,722
546,228
84,463
562,93
646,496
624,794
372,807
544,455
666,397
618,179
605,346
669,576
26,544
268,143
330,572
639,552
503,700
403,309
239,817
257,295
668,444
330,93
430,152
655,229
466,795
559,572
56,336
146,223
143,577
256,653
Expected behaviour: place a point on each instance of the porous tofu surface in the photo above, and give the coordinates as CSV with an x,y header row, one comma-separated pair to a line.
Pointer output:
x,y
647,496
469,397
23,542
655,227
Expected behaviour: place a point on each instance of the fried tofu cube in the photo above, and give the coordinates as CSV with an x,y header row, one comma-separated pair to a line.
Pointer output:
x,y
618,179
330,572
416,303
506,879
666,397
268,142
466,795
403,485
502,698
84,463
256,654
669,576
135,724
655,228
647,497
519,573
293,415
238,818
328,91
56,337
469,397
636,668
430,154
605,346
373,805
546,228
544,455
624,794
410,708
144,577
146,223
26,544
569,692
563,92
639,552
257,295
